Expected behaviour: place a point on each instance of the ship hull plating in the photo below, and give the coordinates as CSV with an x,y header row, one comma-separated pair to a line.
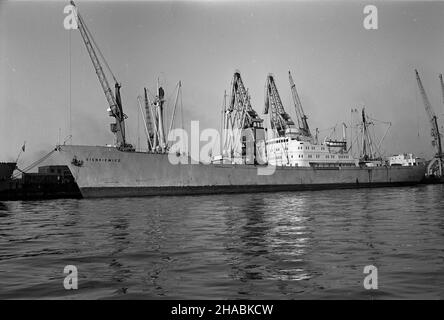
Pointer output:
x,y
108,172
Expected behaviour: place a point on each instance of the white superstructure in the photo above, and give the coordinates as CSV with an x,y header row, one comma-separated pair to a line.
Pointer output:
x,y
289,151
405,159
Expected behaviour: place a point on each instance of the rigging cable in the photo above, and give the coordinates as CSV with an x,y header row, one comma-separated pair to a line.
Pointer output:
x,y
416,109
34,164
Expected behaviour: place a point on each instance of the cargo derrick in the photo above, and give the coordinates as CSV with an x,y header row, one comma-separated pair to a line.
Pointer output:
x,y
151,126
280,121
243,129
159,105
114,100
149,121
155,116
368,153
435,166
304,129
442,93
369,146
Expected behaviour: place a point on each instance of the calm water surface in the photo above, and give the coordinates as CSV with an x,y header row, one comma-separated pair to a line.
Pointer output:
x,y
292,245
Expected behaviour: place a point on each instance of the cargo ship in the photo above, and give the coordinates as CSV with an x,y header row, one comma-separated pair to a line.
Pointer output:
x,y
102,171
256,155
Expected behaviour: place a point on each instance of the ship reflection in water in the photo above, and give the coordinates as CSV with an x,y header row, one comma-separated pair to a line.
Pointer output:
x,y
291,245
268,244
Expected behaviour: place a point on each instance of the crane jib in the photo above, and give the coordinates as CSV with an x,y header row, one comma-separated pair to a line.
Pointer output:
x,y
436,165
114,100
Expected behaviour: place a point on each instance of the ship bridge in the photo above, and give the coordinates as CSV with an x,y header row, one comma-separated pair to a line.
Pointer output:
x,y
288,151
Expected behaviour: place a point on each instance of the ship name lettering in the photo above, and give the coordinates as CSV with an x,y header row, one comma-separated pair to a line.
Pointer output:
x,y
102,160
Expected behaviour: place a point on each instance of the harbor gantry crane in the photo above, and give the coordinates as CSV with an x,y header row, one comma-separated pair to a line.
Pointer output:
x,y
300,115
435,166
280,121
114,99
239,115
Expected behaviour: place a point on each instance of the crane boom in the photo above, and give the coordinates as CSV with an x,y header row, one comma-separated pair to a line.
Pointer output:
x,y
442,86
149,122
435,167
279,119
240,120
436,136
114,100
300,115
240,105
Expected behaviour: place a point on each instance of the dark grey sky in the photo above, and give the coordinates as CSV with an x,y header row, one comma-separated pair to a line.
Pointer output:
x,y
335,62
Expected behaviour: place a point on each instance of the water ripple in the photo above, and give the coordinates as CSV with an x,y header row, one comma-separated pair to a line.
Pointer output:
x,y
291,245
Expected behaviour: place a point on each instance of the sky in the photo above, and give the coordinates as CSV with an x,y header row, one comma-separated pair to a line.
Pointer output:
x,y
337,65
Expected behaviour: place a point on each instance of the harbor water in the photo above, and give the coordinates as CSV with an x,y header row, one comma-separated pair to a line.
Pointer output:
x,y
286,245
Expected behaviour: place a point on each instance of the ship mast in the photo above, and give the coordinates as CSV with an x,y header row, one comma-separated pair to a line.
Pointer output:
x,y
151,126
114,99
367,153
159,107
155,117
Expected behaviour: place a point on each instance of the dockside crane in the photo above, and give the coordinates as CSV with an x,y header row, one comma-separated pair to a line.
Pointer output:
x,y
300,115
239,117
280,121
114,100
240,112
435,166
